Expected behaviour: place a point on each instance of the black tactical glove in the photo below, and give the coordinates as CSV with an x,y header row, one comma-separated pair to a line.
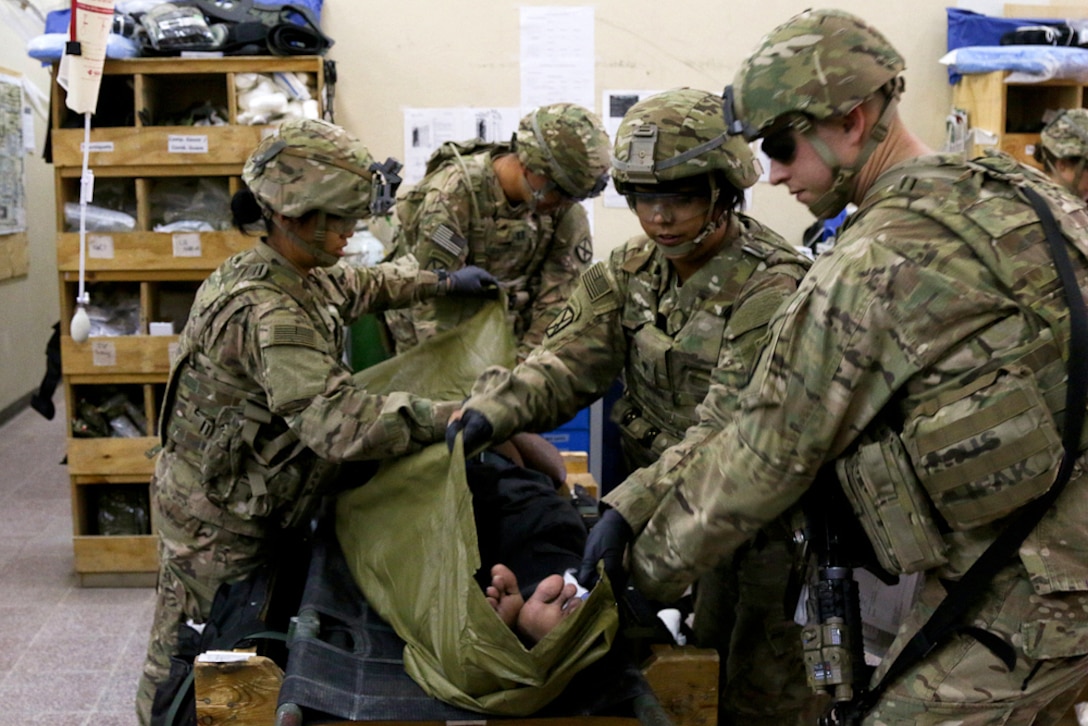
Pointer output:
x,y
469,281
477,431
607,541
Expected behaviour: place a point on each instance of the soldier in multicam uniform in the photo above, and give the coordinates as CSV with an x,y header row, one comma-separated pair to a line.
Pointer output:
x,y
675,311
259,404
898,361
511,209
1063,150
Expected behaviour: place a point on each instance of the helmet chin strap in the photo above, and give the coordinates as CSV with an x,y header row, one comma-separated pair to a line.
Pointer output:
x,y
315,249
535,196
1074,186
835,199
686,248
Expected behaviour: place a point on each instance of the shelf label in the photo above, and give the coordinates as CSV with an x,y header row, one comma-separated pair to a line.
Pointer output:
x,y
103,353
187,245
96,147
187,144
100,246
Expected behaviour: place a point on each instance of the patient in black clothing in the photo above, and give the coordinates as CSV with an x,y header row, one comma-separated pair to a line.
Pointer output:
x,y
528,534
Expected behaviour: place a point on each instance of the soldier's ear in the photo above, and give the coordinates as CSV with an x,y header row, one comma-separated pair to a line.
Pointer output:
x,y
854,124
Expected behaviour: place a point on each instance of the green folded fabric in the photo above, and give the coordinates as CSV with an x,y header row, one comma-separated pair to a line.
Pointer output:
x,y
410,541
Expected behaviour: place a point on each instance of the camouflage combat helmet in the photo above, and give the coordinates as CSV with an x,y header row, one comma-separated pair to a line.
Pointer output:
x,y
676,135
313,165
1066,135
818,64
567,144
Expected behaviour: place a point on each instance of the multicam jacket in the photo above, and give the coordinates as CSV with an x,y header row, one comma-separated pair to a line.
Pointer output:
x,y
922,296
259,395
632,317
458,215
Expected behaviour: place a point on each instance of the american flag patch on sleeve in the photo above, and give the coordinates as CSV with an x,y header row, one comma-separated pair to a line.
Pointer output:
x,y
282,334
595,282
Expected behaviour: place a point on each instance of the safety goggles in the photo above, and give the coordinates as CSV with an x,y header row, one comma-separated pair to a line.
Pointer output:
x,y
343,226
669,208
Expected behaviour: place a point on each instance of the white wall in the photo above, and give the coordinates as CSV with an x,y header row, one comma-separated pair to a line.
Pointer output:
x,y
428,53
29,305
433,53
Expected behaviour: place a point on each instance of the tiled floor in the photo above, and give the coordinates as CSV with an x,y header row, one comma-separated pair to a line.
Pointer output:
x,y
69,656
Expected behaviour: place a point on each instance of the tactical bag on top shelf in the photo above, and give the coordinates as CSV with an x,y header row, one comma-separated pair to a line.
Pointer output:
x,y
241,28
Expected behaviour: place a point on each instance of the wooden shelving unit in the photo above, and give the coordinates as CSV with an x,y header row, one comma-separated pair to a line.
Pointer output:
x,y
1013,111
160,270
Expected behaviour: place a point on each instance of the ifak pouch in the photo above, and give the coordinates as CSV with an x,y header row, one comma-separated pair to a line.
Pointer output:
x,y
985,449
894,510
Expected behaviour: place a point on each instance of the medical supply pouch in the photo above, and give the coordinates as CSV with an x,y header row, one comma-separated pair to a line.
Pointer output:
x,y
987,447
889,501
984,449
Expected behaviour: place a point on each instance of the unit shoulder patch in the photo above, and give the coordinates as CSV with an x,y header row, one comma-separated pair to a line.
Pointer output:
x,y
561,322
583,251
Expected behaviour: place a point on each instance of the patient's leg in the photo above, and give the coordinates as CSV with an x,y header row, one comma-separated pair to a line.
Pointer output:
x,y
503,594
552,601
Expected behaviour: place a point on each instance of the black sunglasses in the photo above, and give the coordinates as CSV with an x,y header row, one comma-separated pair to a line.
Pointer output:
x,y
780,143
780,146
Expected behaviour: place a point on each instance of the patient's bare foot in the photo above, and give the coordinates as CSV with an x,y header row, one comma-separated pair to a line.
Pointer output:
x,y
503,594
552,601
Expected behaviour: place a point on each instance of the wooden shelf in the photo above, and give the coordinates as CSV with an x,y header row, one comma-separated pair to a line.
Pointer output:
x,y
160,145
102,554
124,355
144,252
120,457
1012,112
141,152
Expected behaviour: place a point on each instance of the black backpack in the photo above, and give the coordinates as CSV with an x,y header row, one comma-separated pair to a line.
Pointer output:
x,y
254,611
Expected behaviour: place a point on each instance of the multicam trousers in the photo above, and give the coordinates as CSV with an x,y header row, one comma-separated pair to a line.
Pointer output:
x,y
194,559
963,683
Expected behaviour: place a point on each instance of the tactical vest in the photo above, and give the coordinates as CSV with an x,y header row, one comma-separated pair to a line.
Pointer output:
x,y
981,447
449,253
248,460
667,376
511,249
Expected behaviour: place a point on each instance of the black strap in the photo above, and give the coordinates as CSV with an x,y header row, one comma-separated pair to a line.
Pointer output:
x,y
963,593
288,38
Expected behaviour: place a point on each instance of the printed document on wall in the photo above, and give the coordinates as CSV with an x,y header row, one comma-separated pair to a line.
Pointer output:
x,y
425,129
557,56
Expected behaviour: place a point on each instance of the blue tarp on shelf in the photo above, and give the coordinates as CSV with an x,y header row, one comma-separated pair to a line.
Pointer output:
x,y
968,28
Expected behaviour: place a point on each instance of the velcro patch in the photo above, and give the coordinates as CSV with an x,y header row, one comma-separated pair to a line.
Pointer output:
x,y
283,334
584,251
255,271
595,282
562,320
448,240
